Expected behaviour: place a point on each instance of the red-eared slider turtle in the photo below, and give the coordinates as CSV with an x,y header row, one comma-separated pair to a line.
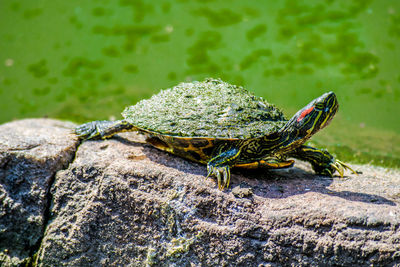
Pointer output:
x,y
225,126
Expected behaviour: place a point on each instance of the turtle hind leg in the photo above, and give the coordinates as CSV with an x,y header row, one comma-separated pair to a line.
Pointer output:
x,y
102,129
321,161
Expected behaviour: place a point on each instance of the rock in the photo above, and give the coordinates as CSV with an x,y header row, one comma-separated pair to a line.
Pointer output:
x,y
125,203
31,152
242,191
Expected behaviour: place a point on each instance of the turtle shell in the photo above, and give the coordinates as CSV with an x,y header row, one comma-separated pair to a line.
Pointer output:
x,y
212,109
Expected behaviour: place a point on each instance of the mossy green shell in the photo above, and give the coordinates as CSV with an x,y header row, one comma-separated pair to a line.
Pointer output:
x,y
212,108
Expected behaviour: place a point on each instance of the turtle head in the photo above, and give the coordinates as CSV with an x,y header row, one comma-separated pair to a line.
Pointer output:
x,y
313,117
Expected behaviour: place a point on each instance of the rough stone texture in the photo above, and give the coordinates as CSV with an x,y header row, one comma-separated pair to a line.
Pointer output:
x,y
121,203
31,152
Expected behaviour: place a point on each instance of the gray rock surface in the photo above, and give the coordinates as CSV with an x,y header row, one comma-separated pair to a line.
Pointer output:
x,y
123,203
31,152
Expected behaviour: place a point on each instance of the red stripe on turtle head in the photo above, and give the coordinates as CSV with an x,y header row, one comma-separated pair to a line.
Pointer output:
x,y
304,113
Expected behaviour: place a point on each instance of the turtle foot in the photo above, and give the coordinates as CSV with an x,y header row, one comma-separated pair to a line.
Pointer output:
x,y
222,173
338,166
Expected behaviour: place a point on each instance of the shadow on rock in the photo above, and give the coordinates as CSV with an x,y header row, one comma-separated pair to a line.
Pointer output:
x,y
282,183
166,159
266,183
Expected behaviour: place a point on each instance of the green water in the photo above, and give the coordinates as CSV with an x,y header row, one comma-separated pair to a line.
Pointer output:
x,y
86,60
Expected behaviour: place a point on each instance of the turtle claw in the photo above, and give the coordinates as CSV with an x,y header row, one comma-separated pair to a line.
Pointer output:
x,y
85,130
340,167
209,171
222,174
227,176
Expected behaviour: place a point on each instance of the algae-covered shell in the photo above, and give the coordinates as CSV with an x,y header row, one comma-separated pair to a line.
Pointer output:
x,y
211,108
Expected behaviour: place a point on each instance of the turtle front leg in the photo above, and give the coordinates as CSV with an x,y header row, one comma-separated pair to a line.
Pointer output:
x,y
102,129
321,161
219,166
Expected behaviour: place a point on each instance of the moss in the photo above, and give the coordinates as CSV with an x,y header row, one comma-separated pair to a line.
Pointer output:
x,y
363,91
78,63
98,11
199,51
173,194
218,18
209,108
189,32
179,246
53,80
151,258
168,216
278,72
140,8
106,77
131,68
38,69
253,57
165,7
394,29
41,91
305,70
159,38
7,260
256,31
15,6
172,76
32,262
110,51
75,21
32,13
252,12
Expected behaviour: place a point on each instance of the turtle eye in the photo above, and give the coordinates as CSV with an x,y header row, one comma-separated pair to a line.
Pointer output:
x,y
319,106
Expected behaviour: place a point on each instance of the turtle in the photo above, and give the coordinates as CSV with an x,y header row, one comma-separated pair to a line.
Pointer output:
x,y
223,126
